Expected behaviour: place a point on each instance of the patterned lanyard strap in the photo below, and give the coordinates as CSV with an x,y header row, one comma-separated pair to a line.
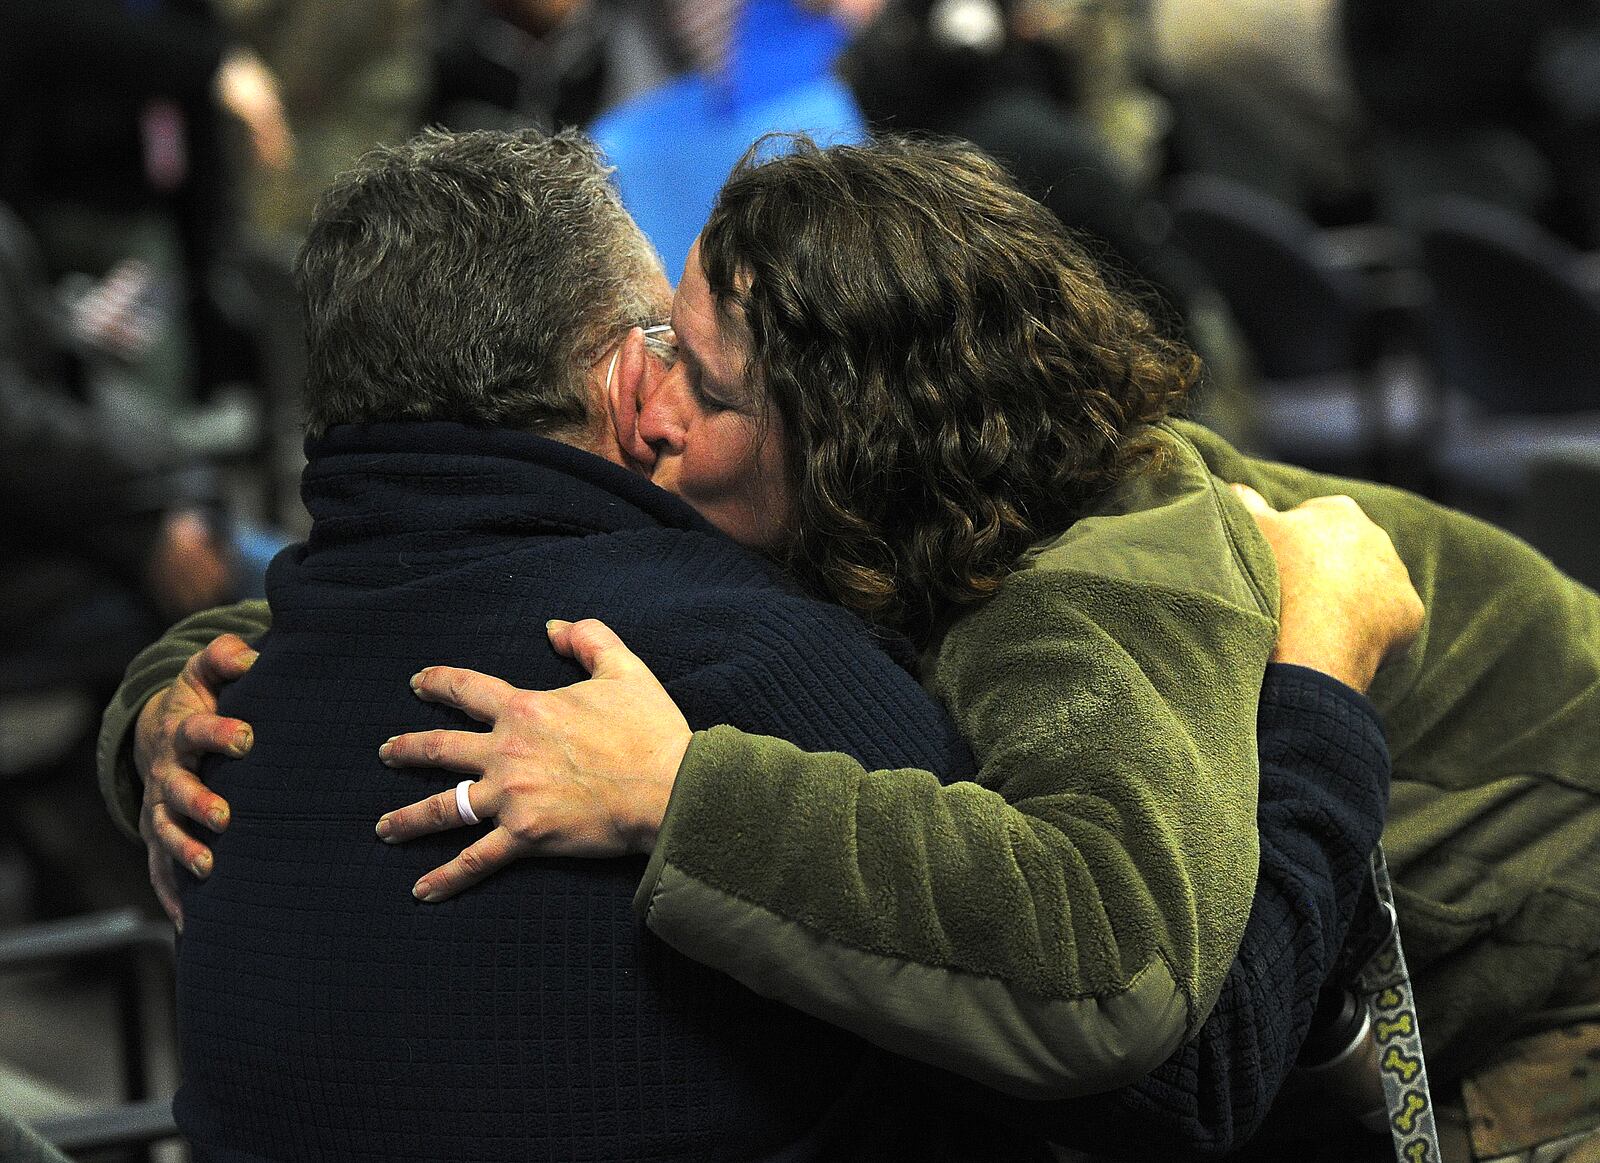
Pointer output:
x,y
1386,986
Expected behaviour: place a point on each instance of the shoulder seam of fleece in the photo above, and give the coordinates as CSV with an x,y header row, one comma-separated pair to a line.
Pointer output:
x,y
1042,580
1214,487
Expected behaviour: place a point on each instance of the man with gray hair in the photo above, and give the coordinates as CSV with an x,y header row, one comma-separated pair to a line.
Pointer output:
x,y
469,301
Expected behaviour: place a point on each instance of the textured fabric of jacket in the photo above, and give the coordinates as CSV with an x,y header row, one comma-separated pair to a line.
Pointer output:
x,y
1323,777
323,1011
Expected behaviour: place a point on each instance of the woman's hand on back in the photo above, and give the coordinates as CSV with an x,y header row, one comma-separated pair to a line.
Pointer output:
x,y
586,770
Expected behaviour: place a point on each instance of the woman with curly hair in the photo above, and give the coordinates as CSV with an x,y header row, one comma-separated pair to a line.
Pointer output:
x,y
905,380
978,450
955,374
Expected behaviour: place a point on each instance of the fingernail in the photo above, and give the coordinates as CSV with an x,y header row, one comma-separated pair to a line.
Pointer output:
x,y
178,925
201,866
218,818
416,679
249,660
243,739
383,828
555,624
423,891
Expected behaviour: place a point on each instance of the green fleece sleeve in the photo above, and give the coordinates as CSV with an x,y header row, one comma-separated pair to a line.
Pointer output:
x,y
1118,717
1493,720
154,669
1062,923
959,971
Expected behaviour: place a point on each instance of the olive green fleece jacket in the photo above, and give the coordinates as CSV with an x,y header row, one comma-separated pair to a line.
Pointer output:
x,y
1060,926
1493,723
1493,719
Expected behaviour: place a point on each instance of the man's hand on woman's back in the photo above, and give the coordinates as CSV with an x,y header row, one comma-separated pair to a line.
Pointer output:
x,y
1348,604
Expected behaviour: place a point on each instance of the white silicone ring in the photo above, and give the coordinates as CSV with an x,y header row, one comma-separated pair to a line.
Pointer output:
x,y
463,804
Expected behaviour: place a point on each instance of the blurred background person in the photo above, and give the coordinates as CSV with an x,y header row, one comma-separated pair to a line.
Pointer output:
x,y
1062,93
1261,93
112,533
500,64
113,146
350,74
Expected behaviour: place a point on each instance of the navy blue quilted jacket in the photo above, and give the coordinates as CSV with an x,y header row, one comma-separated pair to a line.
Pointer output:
x,y
326,1014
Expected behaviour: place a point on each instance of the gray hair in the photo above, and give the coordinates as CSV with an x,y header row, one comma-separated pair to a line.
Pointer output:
x,y
472,277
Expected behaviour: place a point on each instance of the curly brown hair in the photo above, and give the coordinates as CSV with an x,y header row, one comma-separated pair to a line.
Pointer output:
x,y
954,373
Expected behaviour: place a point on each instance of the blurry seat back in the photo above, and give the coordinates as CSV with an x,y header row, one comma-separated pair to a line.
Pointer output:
x,y
1301,312
20,1143
1512,324
1317,326
139,953
1513,330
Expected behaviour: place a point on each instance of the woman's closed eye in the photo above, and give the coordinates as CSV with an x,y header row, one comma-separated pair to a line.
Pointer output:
x,y
707,399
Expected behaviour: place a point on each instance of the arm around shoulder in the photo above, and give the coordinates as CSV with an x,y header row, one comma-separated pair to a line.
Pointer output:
x,y
1325,775
1121,716
873,900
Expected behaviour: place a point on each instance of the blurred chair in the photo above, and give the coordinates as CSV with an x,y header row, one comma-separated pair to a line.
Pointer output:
x,y
51,819
673,147
1320,320
44,730
1513,329
134,949
1560,514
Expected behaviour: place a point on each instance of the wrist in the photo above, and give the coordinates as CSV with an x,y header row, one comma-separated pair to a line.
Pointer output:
x,y
1338,658
146,726
656,798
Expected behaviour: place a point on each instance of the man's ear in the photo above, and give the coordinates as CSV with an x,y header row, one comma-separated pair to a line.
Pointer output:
x,y
634,376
